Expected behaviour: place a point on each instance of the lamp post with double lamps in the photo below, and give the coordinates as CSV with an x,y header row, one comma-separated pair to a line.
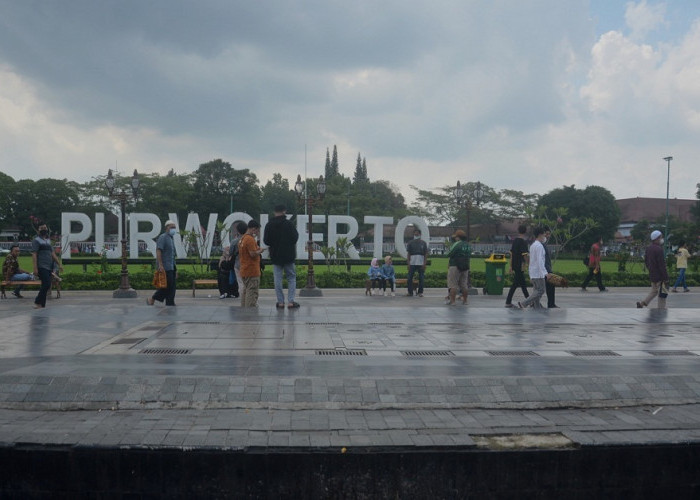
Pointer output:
x,y
310,290
668,180
124,291
462,199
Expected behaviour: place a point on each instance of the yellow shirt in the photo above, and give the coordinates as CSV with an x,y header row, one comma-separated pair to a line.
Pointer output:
x,y
682,258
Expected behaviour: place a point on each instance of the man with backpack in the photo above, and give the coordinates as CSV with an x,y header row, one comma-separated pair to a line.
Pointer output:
x,y
458,267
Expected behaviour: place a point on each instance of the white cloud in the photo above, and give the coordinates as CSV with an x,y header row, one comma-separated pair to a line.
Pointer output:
x,y
516,94
642,18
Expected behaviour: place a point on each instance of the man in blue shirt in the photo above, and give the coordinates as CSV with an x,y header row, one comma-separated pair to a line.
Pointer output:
x,y
165,257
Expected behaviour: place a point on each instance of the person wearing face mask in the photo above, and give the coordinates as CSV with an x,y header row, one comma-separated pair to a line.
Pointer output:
x,y
43,258
594,266
658,274
165,258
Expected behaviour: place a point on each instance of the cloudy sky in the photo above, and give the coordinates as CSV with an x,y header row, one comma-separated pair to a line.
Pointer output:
x,y
528,95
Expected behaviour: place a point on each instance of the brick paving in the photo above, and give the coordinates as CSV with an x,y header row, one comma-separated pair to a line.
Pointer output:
x,y
596,372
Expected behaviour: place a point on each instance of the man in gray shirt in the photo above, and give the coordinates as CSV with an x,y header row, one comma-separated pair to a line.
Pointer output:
x,y
165,256
417,260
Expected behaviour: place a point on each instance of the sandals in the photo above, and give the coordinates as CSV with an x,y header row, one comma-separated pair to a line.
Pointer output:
x,y
292,305
279,305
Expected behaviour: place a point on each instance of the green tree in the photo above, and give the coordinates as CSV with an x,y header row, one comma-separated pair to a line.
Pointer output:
x,y
44,199
327,169
7,185
276,191
335,167
594,202
217,186
360,175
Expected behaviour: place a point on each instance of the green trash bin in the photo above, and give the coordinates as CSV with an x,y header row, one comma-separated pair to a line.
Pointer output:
x,y
495,274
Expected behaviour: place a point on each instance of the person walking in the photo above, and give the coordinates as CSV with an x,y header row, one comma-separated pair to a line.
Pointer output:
x,y
250,252
519,258
682,255
281,238
658,274
43,258
165,261
594,266
549,288
458,268
538,271
12,272
417,260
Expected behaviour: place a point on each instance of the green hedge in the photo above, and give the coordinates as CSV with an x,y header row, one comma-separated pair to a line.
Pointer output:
x,y
331,279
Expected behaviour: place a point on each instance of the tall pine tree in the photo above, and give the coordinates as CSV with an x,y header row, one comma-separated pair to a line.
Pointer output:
x,y
360,175
334,162
329,173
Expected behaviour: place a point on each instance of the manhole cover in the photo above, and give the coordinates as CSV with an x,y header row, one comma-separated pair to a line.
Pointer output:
x,y
427,353
341,352
165,351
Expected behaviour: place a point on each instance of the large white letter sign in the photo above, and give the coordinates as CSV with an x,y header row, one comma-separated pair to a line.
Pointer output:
x,y
379,223
302,223
228,222
333,235
401,229
148,237
203,242
84,235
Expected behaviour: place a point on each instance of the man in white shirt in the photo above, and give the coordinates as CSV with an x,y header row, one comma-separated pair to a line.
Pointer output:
x,y
538,271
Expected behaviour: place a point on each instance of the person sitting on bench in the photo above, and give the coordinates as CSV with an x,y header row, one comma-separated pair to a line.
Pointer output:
x,y
12,272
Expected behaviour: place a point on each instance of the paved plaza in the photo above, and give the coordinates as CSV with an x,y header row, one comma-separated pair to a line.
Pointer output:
x,y
347,370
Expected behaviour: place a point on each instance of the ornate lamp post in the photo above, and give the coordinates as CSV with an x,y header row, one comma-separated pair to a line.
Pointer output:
x,y
461,198
668,178
124,291
310,290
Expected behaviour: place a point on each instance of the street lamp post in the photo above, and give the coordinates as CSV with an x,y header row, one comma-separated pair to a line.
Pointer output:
x,y
462,199
311,290
668,179
124,291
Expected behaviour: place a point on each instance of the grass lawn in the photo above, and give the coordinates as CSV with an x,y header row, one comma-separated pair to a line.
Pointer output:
x,y
439,264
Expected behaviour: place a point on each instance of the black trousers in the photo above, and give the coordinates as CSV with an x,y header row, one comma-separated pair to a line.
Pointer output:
x,y
45,277
167,294
518,281
598,279
549,290
225,287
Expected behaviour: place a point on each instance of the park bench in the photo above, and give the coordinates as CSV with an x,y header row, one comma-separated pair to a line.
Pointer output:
x,y
397,281
206,282
55,285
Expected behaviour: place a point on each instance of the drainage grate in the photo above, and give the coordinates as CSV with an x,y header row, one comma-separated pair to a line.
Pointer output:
x,y
128,341
341,352
671,353
316,324
202,323
387,324
165,351
154,327
511,353
427,353
593,353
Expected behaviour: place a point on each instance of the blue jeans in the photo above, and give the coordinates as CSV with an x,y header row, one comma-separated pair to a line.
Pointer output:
x,y
681,279
291,273
421,274
20,277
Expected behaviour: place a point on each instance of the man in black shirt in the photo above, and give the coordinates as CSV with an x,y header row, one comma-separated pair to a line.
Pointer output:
x,y
519,258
